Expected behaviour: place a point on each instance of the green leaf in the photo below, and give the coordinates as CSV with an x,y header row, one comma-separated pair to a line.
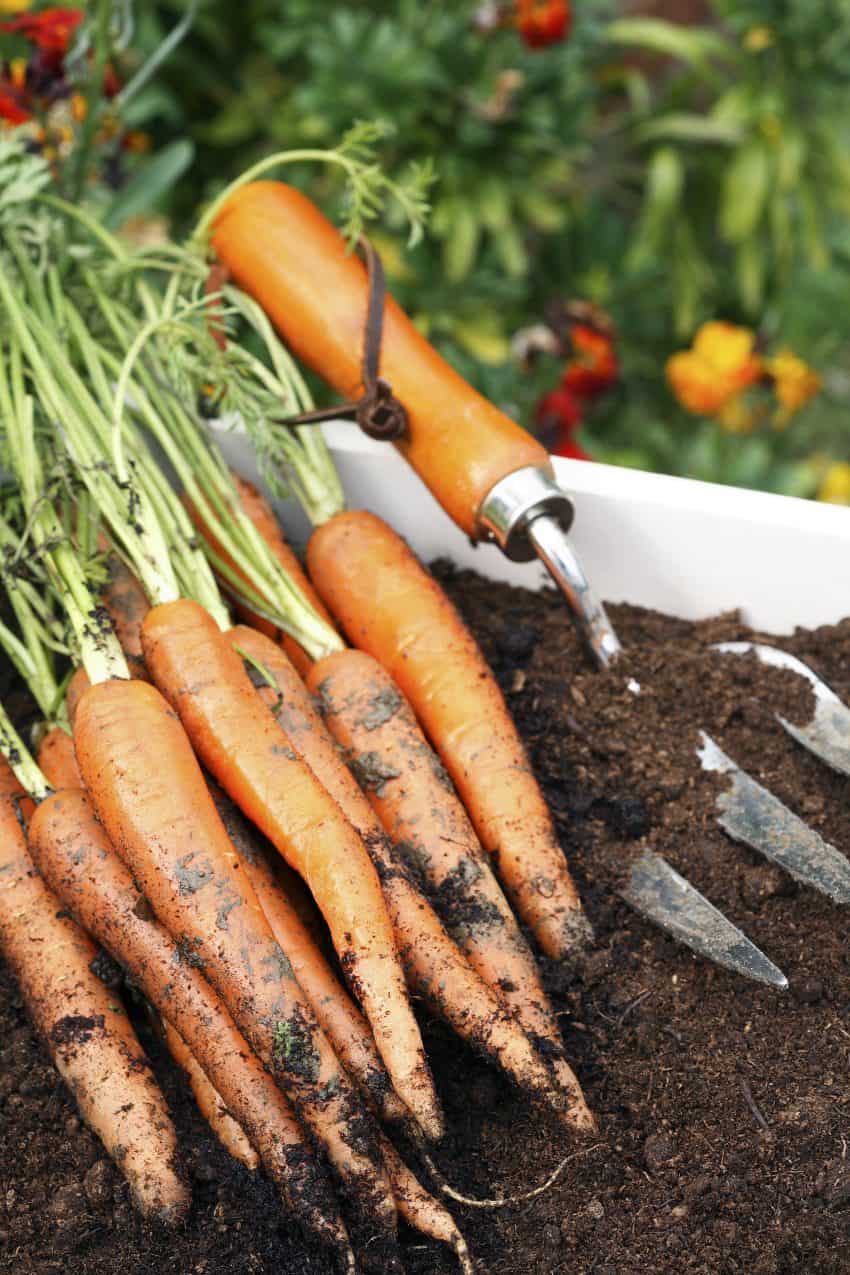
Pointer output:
x,y
693,45
511,252
750,263
682,126
494,205
460,245
665,179
544,212
745,187
152,181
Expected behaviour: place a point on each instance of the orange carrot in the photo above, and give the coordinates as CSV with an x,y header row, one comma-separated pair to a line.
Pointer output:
x,y
229,1132
413,796
58,763
57,760
341,1021
261,514
73,852
73,694
389,606
434,965
150,794
127,605
246,751
421,1211
87,1033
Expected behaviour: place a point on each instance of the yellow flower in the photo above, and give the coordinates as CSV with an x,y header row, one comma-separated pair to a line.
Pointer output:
x,y
14,6
757,39
720,364
794,383
737,417
835,485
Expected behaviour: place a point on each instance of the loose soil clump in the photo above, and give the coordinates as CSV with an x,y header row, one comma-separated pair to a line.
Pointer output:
x,y
724,1107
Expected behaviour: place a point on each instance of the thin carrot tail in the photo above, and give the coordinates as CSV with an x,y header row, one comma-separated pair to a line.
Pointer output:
x,y
421,1211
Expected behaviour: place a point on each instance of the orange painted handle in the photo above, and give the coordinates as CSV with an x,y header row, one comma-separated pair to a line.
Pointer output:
x,y
282,251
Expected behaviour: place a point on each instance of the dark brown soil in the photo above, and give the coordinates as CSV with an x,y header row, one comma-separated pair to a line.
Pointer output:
x,y
724,1107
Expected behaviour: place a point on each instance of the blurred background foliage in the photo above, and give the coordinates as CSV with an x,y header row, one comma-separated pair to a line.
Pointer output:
x,y
671,164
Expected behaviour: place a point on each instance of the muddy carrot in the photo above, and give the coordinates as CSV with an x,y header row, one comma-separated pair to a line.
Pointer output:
x,y
229,1132
127,605
389,606
435,966
57,760
341,1021
76,858
421,1211
244,748
89,1037
412,794
150,794
58,763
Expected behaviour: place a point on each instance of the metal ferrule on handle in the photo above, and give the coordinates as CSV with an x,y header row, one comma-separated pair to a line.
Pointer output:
x,y
528,515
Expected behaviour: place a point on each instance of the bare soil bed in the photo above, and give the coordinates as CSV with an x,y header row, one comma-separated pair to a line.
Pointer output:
x,y
724,1107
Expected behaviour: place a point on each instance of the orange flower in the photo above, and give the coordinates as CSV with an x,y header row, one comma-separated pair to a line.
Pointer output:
x,y
542,22
593,369
720,364
794,383
50,30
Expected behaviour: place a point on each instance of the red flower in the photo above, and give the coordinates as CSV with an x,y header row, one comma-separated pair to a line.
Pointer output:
x,y
558,416
50,30
11,110
542,22
593,369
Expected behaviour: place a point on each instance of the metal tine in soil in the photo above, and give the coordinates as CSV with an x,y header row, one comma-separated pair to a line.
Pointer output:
x,y
751,814
827,735
663,896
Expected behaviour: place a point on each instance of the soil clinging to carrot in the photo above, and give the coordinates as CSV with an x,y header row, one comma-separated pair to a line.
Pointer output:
x,y
684,1064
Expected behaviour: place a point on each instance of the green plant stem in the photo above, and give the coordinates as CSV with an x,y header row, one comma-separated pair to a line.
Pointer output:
x,y
94,96
96,645
280,160
27,773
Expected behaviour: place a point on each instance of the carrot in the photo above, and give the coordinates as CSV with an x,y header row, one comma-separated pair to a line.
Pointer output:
x,y
150,794
73,852
228,1131
389,606
74,692
246,751
56,758
420,1210
284,253
413,796
261,514
127,605
58,763
89,1036
434,965
341,1021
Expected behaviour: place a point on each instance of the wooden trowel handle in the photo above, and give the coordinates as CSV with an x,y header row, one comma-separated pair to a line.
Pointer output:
x,y
282,251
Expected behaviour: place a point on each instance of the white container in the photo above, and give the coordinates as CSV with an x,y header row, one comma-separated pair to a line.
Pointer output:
x,y
686,548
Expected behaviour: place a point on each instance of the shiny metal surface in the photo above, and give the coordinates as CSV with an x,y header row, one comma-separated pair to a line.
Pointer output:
x,y
527,514
827,735
663,896
751,814
589,615
518,498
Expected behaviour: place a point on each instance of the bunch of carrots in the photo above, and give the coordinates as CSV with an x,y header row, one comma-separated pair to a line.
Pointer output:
x,y
215,795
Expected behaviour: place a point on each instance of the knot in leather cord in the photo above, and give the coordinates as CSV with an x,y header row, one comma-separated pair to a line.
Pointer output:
x,y
378,412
